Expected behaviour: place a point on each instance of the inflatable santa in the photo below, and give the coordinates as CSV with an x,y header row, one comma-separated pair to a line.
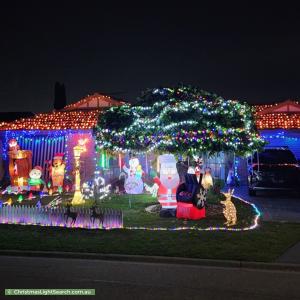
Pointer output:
x,y
168,181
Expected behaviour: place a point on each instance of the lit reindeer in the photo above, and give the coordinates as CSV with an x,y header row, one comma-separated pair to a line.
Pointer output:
x,y
229,210
95,215
69,214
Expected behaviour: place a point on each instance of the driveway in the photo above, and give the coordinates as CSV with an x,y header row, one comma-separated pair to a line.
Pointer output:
x,y
275,206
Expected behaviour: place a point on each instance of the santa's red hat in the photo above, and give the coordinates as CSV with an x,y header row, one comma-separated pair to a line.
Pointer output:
x,y
38,168
58,156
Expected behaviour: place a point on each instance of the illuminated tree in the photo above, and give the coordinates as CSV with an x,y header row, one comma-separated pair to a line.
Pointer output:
x,y
181,120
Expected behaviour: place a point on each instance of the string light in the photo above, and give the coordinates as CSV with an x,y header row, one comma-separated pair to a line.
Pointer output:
x,y
279,135
56,121
253,225
211,124
80,115
95,98
272,119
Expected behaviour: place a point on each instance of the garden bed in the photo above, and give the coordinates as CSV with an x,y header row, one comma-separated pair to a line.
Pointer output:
x,y
135,214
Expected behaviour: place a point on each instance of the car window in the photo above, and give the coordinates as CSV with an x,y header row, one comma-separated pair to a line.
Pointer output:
x,y
272,156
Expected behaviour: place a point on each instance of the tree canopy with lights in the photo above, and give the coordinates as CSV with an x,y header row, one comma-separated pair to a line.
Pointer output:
x,y
180,120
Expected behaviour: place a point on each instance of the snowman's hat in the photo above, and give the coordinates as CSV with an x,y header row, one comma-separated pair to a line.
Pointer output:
x,y
39,168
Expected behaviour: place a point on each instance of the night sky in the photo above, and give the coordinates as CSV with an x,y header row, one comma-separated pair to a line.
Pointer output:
x,y
244,52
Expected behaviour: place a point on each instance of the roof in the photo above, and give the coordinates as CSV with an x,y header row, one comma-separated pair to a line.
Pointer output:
x,y
279,115
84,115
95,101
80,115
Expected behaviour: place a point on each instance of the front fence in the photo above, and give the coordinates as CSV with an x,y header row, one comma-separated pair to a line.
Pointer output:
x,y
79,217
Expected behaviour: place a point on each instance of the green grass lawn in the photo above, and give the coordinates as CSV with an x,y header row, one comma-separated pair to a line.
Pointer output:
x,y
133,207
265,243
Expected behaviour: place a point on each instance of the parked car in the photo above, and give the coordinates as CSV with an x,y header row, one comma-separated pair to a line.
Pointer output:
x,y
273,169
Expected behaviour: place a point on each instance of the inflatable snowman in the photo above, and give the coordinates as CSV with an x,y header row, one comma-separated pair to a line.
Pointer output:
x,y
35,182
133,182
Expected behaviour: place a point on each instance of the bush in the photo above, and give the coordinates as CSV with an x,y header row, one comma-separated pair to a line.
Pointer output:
x,y
214,195
218,185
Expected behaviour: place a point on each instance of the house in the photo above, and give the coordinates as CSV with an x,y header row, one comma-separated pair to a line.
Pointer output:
x,y
46,134
279,124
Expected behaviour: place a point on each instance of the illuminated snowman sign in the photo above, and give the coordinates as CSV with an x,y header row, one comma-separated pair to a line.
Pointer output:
x,y
133,182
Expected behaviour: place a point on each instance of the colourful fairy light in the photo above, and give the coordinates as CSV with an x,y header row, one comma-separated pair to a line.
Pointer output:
x,y
210,124
119,224
253,226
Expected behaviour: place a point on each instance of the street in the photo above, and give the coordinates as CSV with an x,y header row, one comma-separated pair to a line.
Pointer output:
x,y
132,280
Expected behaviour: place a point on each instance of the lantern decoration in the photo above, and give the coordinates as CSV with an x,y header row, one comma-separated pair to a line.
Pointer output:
x,y
207,180
77,150
229,210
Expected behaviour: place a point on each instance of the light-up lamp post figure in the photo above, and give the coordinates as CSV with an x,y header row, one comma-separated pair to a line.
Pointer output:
x,y
78,149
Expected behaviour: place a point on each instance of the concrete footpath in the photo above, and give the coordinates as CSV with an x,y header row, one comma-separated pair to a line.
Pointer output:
x,y
291,256
283,265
